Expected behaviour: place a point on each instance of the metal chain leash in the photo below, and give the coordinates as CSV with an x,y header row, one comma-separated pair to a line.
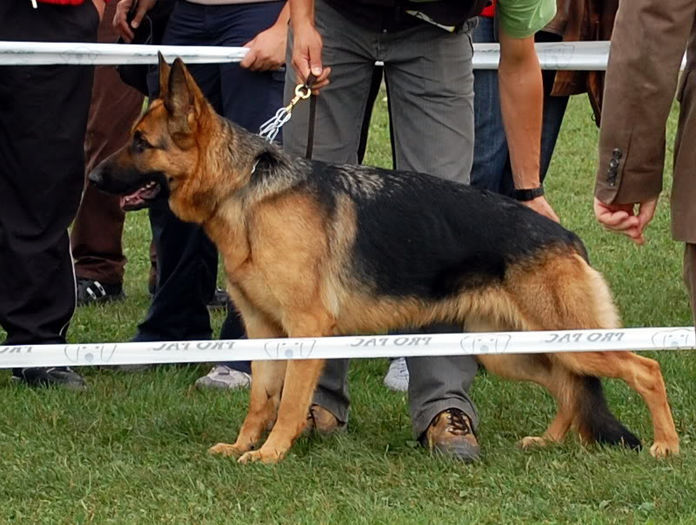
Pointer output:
x,y
271,127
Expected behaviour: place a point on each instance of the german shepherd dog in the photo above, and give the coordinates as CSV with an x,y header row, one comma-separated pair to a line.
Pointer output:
x,y
313,249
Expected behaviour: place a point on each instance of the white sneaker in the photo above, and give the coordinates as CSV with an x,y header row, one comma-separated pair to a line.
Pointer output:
x,y
396,377
222,376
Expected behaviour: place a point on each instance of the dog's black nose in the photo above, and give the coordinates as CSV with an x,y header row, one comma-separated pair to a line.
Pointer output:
x,y
96,177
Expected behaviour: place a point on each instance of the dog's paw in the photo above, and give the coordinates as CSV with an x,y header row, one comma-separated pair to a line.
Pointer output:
x,y
225,449
267,456
662,449
531,442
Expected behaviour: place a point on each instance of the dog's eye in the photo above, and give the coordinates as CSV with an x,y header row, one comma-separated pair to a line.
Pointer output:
x,y
139,143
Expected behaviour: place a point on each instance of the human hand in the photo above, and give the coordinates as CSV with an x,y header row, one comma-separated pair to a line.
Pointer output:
x,y
306,56
120,22
625,218
542,206
267,49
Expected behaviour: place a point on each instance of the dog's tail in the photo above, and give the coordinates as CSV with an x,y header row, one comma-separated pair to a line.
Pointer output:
x,y
595,421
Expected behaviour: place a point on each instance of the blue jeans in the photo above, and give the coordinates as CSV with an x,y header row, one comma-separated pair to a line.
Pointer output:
x,y
187,259
491,168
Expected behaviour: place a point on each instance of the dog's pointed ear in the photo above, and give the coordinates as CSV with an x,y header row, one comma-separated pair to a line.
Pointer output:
x,y
184,100
164,70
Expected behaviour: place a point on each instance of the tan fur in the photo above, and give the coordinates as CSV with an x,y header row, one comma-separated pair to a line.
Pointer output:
x,y
288,275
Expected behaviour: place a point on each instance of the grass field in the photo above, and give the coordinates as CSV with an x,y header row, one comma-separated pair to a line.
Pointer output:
x,y
132,449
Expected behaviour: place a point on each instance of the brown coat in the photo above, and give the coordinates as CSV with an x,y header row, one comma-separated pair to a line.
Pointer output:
x,y
580,20
648,43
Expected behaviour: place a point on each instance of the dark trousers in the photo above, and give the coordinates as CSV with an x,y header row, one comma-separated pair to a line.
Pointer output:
x,y
187,259
96,234
43,115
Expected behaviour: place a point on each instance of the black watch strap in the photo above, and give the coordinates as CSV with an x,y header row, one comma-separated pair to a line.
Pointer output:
x,y
529,194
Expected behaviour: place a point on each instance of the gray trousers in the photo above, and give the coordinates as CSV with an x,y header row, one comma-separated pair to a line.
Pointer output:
x,y
429,79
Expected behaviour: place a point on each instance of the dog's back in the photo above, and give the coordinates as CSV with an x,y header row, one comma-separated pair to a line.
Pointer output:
x,y
423,236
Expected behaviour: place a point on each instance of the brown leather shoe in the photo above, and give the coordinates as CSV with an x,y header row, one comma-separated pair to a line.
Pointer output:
x,y
450,433
322,421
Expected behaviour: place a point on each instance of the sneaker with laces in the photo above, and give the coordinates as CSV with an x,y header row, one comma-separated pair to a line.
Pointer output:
x,y
450,434
91,291
396,377
224,377
62,376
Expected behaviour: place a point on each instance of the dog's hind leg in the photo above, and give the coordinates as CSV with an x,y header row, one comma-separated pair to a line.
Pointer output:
x,y
536,368
266,388
566,293
642,375
301,378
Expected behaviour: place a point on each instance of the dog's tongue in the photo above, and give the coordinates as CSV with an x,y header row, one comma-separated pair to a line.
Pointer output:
x,y
138,199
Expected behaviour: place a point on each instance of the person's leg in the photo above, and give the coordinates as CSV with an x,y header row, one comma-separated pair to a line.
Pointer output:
x,y
186,258
429,80
340,110
43,116
430,83
235,25
490,145
554,111
96,232
375,85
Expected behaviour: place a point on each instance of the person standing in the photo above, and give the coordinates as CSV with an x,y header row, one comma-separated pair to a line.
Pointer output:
x,y
43,117
575,20
426,49
641,80
96,235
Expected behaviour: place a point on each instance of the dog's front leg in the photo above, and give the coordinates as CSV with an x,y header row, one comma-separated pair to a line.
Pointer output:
x,y
266,382
301,378
266,386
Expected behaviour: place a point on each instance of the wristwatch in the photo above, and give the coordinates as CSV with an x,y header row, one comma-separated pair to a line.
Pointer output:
x,y
528,194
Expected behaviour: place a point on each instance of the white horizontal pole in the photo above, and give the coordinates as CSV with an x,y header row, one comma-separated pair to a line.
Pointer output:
x,y
365,346
559,55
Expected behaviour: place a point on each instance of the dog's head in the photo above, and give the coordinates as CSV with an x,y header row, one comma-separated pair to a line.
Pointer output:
x,y
166,149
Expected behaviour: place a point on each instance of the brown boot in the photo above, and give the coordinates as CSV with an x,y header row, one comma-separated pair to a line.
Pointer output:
x,y
450,433
322,421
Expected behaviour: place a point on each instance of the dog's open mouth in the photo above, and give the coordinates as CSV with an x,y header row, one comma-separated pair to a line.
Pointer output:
x,y
142,197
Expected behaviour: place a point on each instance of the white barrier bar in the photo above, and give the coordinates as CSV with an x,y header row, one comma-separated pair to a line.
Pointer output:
x,y
84,54
561,55
367,346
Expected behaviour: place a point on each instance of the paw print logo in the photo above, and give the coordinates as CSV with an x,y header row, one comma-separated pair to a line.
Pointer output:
x,y
290,349
479,344
87,354
557,55
676,338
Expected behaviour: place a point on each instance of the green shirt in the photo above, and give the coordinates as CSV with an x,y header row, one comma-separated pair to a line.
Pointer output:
x,y
523,18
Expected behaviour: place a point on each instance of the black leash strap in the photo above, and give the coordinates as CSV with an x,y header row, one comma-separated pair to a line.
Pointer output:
x,y
311,79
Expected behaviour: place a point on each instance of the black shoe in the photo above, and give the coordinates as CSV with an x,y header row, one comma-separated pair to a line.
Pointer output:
x,y
54,376
90,291
450,434
220,299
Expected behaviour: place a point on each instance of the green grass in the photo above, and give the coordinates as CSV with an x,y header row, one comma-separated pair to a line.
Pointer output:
x,y
133,448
